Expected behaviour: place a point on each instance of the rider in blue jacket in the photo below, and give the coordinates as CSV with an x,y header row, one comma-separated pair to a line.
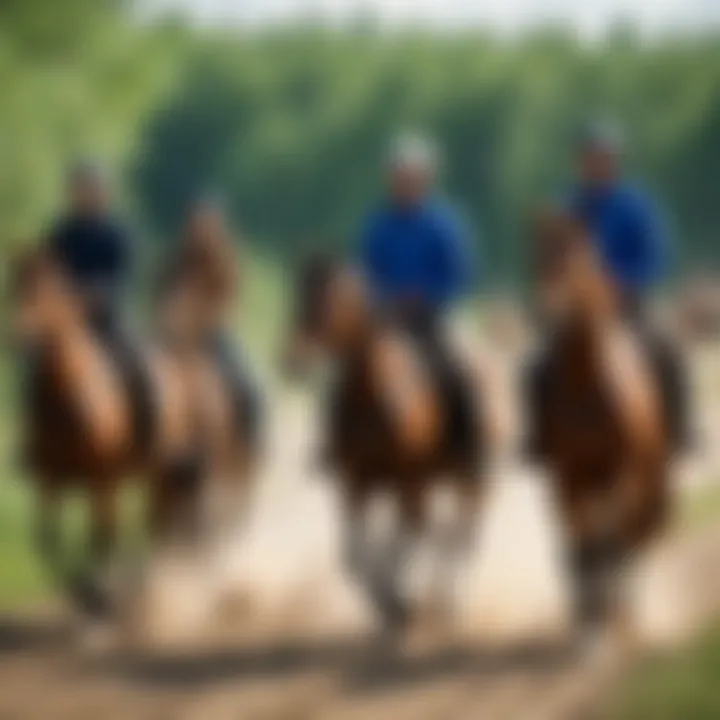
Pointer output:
x,y
414,250
415,254
622,220
632,242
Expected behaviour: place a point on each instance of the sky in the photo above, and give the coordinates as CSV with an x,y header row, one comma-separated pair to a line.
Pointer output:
x,y
589,17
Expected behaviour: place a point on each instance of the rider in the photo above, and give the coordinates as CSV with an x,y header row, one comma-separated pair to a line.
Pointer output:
x,y
95,252
207,258
93,248
631,242
416,257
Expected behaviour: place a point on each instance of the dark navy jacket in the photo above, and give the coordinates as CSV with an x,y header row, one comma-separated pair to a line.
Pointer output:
x,y
628,232
419,253
96,254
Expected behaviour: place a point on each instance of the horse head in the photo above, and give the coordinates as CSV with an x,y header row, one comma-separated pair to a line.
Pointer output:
x,y
330,307
40,295
570,276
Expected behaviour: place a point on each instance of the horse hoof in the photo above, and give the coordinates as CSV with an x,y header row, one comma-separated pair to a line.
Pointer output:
x,y
395,614
90,599
597,647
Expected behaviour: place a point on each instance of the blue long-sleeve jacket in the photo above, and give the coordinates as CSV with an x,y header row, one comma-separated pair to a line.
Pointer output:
x,y
96,254
628,230
419,253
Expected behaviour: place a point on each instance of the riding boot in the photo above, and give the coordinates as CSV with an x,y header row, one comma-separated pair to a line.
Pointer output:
x,y
536,377
464,418
670,371
247,399
673,383
462,414
675,393
133,369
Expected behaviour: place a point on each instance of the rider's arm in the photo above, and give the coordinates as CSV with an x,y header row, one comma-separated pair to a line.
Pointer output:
x,y
647,256
454,267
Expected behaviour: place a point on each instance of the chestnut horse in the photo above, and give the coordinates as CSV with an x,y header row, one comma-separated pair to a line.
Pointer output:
x,y
601,430
81,424
387,434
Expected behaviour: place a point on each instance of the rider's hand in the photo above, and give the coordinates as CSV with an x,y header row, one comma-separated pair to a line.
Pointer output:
x,y
96,296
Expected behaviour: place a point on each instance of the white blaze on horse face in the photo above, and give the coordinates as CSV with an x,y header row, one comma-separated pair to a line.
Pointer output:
x,y
589,286
45,305
346,307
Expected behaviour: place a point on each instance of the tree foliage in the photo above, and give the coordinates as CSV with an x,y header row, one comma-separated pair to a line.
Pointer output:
x,y
292,126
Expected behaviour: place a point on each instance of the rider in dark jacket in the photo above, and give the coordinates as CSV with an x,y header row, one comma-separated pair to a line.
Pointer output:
x,y
93,248
95,252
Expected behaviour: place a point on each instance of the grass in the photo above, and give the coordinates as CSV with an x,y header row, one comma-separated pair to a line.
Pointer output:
x,y
682,686
22,578
700,508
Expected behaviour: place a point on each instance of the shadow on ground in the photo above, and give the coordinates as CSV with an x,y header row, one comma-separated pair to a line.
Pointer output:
x,y
23,634
360,666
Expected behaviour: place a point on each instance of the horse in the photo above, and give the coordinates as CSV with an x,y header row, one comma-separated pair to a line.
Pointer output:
x,y
388,434
601,431
81,427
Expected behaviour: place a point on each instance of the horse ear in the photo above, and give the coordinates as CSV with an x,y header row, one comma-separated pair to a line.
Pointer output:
x,y
23,258
316,260
553,222
545,221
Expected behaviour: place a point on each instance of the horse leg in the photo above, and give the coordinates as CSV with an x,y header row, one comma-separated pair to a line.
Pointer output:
x,y
355,550
103,523
587,557
645,511
47,531
88,590
455,544
388,576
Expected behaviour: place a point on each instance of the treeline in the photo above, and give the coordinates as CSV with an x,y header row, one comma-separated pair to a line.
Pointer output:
x,y
292,126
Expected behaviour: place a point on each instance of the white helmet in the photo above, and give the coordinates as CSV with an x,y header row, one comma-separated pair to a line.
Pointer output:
x,y
415,152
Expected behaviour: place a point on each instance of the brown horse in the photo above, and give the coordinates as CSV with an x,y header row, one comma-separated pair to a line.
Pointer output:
x,y
388,433
601,430
80,423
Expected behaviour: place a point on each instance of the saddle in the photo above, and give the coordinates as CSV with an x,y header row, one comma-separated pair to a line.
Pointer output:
x,y
458,397
129,358
245,398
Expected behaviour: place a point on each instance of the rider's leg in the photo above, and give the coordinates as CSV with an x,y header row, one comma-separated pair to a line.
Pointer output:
x,y
125,351
247,395
535,393
674,386
673,377
462,403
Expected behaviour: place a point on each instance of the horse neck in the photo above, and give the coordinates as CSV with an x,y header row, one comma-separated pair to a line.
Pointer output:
x,y
64,352
356,357
579,346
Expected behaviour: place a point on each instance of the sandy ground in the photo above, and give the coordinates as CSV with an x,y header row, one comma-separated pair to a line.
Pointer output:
x,y
301,646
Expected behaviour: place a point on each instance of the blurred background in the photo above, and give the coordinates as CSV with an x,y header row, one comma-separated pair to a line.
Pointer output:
x,y
286,107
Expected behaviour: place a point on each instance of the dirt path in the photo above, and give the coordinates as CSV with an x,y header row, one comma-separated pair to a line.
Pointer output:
x,y
302,650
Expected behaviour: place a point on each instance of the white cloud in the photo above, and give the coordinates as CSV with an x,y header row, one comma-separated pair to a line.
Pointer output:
x,y
589,17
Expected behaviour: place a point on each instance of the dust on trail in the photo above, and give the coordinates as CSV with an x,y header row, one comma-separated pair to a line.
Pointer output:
x,y
300,648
